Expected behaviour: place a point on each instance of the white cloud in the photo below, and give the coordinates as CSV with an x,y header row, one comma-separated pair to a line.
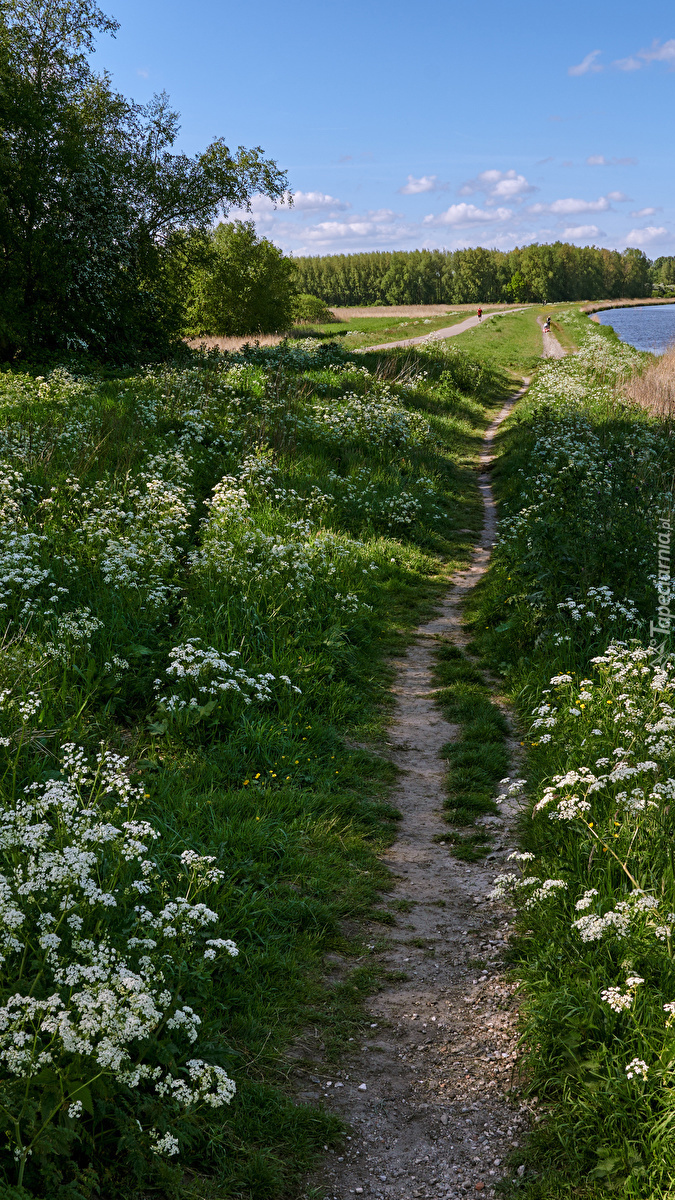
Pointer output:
x,y
571,207
647,235
427,183
317,201
587,64
498,185
581,231
461,215
644,212
377,227
658,52
599,160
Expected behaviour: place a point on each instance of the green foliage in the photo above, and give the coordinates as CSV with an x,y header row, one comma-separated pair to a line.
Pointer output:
x,y
93,194
663,276
310,309
538,273
242,285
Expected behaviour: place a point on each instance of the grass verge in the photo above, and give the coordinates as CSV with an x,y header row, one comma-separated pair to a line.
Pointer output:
x,y
511,342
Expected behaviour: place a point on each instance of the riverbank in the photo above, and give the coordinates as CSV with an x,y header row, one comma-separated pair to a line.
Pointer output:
x,y
563,617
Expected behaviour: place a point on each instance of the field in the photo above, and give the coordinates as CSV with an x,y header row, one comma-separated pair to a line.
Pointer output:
x,y
205,568
412,310
359,330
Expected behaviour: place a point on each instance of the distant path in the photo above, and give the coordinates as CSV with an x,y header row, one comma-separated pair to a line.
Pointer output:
x,y
551,347
440,334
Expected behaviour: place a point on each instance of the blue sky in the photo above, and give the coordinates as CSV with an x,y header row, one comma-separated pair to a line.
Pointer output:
x,y
443,124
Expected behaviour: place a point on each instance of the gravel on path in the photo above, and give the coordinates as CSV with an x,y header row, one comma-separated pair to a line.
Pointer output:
x,y
551,346
427,1095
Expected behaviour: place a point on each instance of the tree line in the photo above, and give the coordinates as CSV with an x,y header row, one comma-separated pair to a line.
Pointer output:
x,y
538,273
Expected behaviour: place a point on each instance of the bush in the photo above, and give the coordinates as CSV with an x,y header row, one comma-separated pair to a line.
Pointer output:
x,y
311,310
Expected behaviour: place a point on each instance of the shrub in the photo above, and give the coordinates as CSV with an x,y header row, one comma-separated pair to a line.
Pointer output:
x,y
309,309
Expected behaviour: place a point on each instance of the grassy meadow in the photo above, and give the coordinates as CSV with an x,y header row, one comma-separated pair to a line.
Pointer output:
x,y
361,332
205,567
510,343
584,483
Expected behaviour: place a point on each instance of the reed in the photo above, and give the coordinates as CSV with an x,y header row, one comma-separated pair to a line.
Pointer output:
x,y
654,389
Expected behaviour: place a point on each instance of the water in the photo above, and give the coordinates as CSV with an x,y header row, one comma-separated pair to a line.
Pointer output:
x,y
651,327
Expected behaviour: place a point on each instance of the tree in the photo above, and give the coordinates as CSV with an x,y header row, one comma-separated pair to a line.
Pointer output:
x,y
92,194
244,285
637,273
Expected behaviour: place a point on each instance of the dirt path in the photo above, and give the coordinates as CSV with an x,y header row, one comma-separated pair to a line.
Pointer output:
x,y
425,1093
551,347
439,334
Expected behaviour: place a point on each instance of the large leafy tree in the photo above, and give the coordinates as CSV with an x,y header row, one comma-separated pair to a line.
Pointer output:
x,y
92,195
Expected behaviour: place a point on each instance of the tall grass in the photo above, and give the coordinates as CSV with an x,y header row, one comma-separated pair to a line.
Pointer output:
x,y
654,389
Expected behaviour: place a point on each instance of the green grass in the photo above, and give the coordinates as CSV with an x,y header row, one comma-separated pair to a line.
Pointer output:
x,y
511,342
320,556
360,332
478,759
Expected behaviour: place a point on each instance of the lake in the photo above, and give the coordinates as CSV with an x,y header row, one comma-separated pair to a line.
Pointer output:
x,y
651,327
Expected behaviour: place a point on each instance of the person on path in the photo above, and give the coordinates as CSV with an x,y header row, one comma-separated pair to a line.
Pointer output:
x,y
480,313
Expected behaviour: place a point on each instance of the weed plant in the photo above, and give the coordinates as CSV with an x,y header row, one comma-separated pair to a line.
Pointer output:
x,y
564,614
202,569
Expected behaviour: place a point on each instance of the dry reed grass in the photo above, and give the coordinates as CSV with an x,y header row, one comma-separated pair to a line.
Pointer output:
x,y
235,343
410,310
601,305
654,389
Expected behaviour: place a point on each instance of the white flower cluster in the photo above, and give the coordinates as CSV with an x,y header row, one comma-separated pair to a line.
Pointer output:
x,y
206,672
637,1067
378,421
98,989
620,1001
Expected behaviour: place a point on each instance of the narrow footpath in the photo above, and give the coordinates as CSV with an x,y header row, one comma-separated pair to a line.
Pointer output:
x,y
427,1094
